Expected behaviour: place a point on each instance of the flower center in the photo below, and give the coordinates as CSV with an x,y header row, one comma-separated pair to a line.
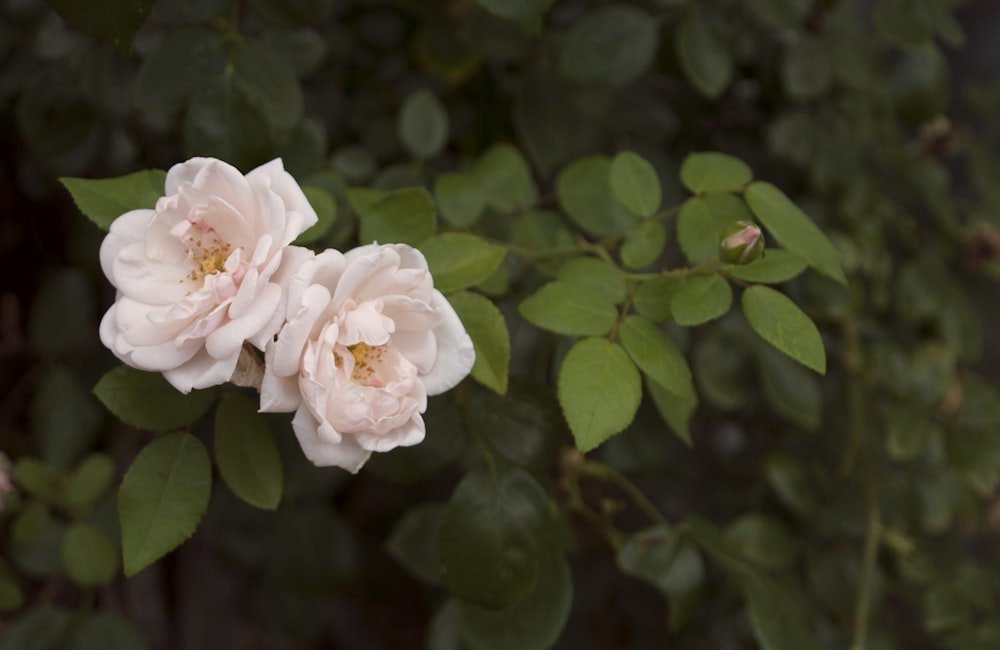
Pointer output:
x,y
366,361
208,257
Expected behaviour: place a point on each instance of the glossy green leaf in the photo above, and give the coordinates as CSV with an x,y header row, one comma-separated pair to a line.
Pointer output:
x,y
104,200
505,179
644,245
63,314
775,266
701,221
89,557
782,324
402,216
162,499
610,46
635,184
326,212
108,630
245,452
657,355
494,536
534,623
701,299
675,411
423,124
182,63
487,328
414,541
714,172
146,401
90,481
45,627
569,309
598,275
115,21
585,194
794,230
460,198
524,426
704,58
459,260
599,391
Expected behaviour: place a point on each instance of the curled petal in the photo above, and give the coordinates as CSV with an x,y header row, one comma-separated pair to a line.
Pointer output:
x,y
455,354
347,454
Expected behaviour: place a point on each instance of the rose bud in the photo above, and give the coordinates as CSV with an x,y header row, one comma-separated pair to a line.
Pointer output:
x,y
741,243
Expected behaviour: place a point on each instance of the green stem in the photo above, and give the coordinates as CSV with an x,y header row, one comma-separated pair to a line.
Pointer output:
x,y
600,470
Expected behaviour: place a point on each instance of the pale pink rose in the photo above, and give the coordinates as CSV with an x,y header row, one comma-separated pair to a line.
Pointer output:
x,y
368,338
199,274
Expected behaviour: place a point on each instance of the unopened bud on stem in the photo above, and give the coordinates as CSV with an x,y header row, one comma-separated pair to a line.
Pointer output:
x,y
741,243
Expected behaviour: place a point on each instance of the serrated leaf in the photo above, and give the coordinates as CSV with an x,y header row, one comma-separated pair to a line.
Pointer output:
x,y
460,198
600,276
459,260
505,179
794,230
423,124
104,200
494,536
326,211
585,194
701,299
773,267
635,184
701,221
675,411
644,245
162,499
599,391
610,46
487,328
710,171
704,59
569,309
782,324
657,355
89,557
245,452
146,400
402,216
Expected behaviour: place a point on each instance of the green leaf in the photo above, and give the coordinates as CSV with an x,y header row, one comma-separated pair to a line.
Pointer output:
x,y
326,210
63,318
782,324
104,200
162,498
599,391
781,14
792,391
704,59
487,328
67,431
524,426
600,276
89,557
45,627
355,162
460,198
775,266
523,11
181,64
222,121
115,21
267,81
701,299
145,400
423,124
459,260
675,411
443,442
794,230
778,614
635,184
35,477
644,245
714,172
37,541
569,309
611,47
245,452
414,541
540,231
505,179
90,481
657,355
656,556
909,431
402,216
585,194
108,630
702,220
807,68
722,370
789,481
534,623
652,297
494,536
764,540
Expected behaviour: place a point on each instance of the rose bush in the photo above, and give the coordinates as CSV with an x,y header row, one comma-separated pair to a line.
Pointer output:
x,y
368,338
196,275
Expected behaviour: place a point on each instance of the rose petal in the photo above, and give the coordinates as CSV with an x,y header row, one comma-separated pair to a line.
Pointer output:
x,y
202,371
455,354
347,453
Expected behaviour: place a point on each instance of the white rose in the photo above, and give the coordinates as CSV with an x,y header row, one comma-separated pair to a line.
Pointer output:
x,y
368,338
197,275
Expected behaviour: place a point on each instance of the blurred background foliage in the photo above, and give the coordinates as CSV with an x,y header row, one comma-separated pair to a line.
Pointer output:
x,y
853,510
